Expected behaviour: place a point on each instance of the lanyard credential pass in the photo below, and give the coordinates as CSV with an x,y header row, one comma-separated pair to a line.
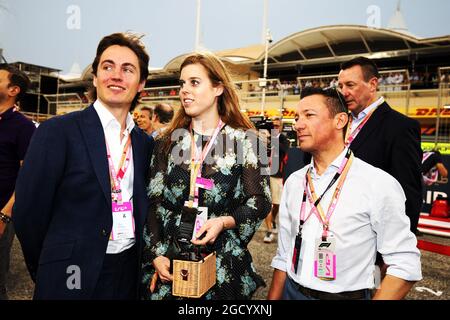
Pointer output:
x,y
349,137
122,211
308,192
197,159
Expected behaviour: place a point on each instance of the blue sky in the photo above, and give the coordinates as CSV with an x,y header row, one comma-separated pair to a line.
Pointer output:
x,y
59,33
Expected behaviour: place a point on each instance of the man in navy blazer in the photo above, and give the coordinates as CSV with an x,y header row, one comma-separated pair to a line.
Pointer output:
x,y
80,197
380,135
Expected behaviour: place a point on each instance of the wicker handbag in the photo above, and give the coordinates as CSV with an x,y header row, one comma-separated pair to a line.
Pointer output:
x,y
192,279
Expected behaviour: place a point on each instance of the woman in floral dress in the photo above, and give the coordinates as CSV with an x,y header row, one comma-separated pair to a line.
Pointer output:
x,y
209,139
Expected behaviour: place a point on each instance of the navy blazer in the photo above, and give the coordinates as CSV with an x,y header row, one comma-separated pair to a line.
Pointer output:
x,y
391,141
62,214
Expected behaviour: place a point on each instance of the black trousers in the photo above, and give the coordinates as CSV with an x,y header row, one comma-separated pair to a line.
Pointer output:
x,y
119,276
5,252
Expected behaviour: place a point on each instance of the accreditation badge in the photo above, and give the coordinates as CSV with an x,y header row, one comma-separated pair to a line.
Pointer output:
x,y
200,220
325,258
123,221
207,184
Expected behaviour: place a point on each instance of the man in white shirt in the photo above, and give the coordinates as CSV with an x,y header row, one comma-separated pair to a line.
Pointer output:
x,y
336,213
80,197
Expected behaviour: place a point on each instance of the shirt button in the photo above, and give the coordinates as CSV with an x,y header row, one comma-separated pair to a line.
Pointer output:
x,y
104,233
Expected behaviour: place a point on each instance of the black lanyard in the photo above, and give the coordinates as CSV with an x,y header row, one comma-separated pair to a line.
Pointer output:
x,y
333,181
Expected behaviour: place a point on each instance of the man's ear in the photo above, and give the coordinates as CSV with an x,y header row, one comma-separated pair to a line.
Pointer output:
x,y
141,86
341,120
373,84
94,81
13,91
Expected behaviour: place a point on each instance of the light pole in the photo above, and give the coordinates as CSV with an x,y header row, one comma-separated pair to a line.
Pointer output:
x,y
2,58
197,29
263,81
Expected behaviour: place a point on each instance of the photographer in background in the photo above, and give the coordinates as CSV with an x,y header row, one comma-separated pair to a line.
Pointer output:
x,y
432,167
279,146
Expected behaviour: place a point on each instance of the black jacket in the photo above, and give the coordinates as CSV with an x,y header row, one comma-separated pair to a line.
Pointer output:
x,y
62,214
391,141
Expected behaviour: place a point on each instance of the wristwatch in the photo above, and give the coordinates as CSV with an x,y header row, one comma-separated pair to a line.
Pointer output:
x,y
5,218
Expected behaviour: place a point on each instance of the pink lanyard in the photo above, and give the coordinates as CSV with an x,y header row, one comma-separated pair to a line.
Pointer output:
x,y
349,138
116,179
194,152
197,159
314,201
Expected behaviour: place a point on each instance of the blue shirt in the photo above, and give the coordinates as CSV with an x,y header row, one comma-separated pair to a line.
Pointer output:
x,y
15,135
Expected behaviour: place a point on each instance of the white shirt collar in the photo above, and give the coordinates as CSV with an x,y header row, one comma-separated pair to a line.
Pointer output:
x,y
106,117
369,109
333,167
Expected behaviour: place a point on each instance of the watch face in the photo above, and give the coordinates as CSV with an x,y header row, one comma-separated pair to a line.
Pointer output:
x,y
4,218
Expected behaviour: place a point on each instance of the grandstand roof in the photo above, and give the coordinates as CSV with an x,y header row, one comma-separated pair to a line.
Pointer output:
x,y
242,54
333,43
29,66
340,42
327,44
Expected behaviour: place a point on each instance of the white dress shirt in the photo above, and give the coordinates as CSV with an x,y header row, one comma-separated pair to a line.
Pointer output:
x,y
111,128
369,216
360,117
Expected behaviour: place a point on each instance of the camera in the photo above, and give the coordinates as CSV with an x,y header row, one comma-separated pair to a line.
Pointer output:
x,y
187,223
182,248
261,123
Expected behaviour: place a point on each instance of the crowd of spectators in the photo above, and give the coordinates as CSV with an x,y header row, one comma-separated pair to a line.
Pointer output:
x,y
394,81
427,80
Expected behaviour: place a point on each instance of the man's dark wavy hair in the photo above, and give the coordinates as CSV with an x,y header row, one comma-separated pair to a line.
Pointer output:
x,y
369,68
17,78
334,99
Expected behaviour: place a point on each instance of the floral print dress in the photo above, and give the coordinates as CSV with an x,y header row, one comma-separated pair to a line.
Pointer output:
x,y
241,189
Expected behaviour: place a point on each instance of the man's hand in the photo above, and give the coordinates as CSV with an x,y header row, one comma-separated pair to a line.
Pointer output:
x,y
2,228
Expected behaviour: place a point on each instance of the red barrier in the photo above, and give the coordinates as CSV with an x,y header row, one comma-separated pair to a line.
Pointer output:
x,y
433,247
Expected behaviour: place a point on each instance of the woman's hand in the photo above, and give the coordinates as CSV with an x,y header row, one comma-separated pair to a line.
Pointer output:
x,y
211,229
162,266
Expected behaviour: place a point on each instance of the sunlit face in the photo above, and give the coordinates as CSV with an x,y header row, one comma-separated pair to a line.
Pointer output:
x,y
197,94
6,91
358,93
314,125
144,122
118,77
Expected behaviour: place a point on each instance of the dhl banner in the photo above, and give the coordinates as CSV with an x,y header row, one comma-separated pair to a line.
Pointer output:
x,y
427,112
443,148
419,112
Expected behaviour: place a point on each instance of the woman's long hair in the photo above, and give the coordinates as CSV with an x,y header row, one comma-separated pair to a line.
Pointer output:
x,y
228,101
